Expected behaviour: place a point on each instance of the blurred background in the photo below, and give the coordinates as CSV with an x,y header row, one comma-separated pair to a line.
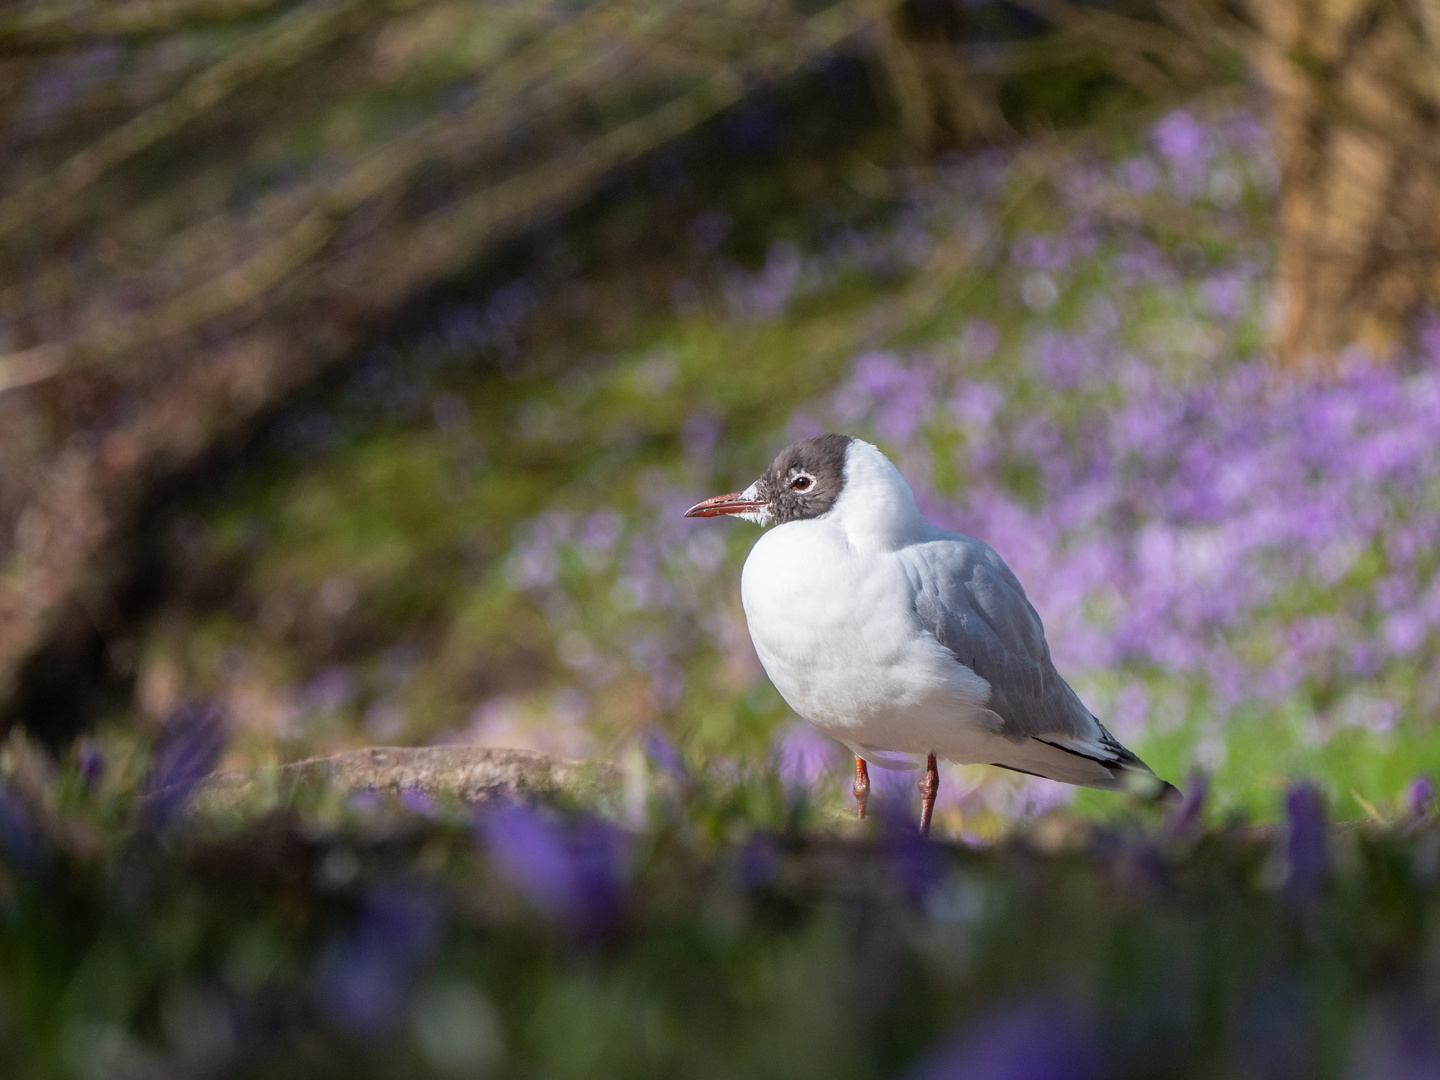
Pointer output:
x,y
359,357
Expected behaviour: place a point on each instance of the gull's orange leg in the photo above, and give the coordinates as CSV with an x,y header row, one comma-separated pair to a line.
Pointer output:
x,y
861,788
929,785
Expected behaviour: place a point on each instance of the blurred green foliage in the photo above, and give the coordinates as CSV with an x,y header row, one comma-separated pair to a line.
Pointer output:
x,y
726,932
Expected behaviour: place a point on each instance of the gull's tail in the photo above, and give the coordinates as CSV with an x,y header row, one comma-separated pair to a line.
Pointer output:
x,y
1099,762
1133,775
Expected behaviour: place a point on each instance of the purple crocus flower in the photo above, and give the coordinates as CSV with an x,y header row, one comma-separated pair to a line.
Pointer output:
x,y
1225,295
1307,859
979,340
366,802
1138,175
757,861
803,755
1179,138
1034,1040
1427,336
916,862
1186,817
89,762
417,801
365,977
1420,797
20,841
1066,359
699,435
569,872
1186,145
186,752
662,755
601,530
1040,252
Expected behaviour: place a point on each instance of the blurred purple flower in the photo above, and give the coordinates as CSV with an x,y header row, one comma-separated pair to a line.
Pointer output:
x,y
1420,798
1139,175
331,688
572,872
601,530
707,230
89,761
187,751
1035,1040
975,403
20,840
66,80
662,754
802,426
1186,145
417,801
916,862
368,801
1066,360
979,340
766,294
1398,1042
897,395
1307,855
757,861
365,978
699,434
1427,336
803,755
1225,295
1186,817
1243,132
1404,632
1142,264
1038,252
1179,138
666,687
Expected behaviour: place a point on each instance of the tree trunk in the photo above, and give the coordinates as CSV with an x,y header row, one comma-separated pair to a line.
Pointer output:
x,y
1355,102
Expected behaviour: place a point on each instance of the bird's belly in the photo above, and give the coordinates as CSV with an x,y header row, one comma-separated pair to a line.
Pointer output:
x,y
840,640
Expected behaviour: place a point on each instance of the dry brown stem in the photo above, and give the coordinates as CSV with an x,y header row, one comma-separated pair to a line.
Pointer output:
x,y
50,26
285,42
209,316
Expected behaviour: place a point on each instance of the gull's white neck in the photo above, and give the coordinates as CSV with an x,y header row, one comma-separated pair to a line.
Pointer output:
x,y
876,509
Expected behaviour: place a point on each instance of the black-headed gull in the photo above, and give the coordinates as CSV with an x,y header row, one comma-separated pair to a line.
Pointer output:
x,y
902,640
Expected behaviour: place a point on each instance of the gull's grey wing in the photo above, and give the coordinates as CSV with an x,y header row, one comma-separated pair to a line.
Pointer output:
x,y
975,606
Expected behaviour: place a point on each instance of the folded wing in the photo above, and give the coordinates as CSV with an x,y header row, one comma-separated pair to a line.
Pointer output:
x,y
975,606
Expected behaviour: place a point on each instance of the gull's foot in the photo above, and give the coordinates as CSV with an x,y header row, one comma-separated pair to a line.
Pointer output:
x,y
861,788
929,786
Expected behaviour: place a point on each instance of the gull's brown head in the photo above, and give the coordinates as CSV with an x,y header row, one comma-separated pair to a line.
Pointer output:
x,y
802,482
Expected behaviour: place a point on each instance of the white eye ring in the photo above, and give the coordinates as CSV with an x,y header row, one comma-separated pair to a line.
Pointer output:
x,y
802,482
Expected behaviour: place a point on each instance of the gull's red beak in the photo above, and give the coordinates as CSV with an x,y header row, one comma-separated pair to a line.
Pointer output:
x,y
734,503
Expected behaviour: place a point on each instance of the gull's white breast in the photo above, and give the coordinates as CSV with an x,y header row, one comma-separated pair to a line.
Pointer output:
x,y
837,632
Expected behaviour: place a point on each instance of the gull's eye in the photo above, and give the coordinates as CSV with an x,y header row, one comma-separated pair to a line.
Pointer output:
x,y
801,483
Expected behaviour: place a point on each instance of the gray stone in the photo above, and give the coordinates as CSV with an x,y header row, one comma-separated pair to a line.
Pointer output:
x,y
471,774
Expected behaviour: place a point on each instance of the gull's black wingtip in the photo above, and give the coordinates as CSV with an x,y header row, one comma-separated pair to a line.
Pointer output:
x,y
1145,786
1168,794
